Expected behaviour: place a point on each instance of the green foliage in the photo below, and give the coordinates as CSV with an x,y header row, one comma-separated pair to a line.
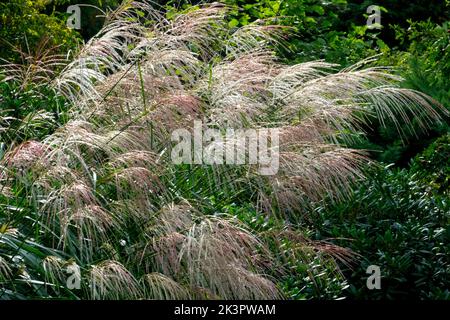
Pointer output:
x,y
92,13
344,48
304,15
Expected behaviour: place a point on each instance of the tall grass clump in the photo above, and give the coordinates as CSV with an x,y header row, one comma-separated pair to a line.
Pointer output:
x,y
99,191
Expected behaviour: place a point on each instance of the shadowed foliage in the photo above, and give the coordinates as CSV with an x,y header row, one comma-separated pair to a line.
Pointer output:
x,y
100,190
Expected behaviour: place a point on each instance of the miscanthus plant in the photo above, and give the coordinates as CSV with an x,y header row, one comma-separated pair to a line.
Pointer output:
x,y
100,194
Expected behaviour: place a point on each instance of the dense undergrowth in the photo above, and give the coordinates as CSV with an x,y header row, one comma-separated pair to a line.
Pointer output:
x,y
398,220
87,182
